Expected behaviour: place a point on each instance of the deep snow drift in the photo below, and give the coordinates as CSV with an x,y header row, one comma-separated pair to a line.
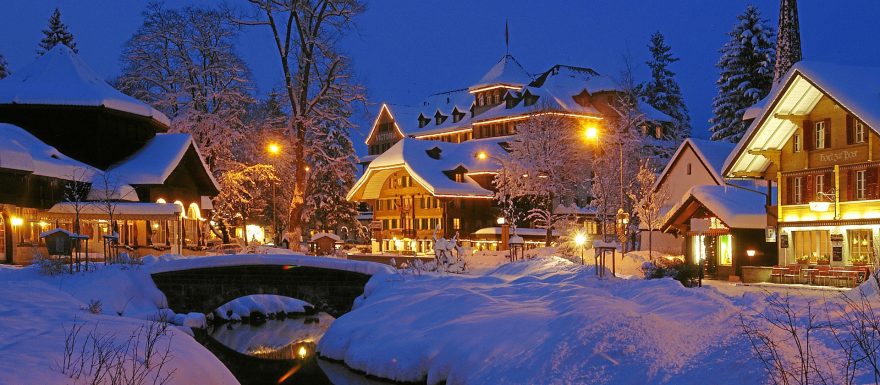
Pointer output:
x,y
543,321
36,310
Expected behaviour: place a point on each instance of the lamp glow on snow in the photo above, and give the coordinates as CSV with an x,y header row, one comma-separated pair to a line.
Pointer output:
x,y
580,239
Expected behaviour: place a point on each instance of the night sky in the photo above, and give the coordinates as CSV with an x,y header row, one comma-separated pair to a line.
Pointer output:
x,y
405,50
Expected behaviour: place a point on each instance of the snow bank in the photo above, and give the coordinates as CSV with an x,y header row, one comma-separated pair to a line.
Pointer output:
x,y
168,263
541,321
36,310
263,304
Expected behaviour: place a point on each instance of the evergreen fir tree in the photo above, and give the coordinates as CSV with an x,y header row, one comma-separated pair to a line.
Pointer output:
x,y
56,33
331,175
746,74
4,67
662,91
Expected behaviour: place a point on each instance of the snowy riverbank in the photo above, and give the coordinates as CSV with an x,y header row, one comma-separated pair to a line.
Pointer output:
x,y
545,321
37,312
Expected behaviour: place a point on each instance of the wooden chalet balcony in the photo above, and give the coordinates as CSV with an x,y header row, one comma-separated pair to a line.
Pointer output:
x,y
402,233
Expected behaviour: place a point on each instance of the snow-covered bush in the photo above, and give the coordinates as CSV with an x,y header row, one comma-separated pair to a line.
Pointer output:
x,y
675,268
94,306
48,265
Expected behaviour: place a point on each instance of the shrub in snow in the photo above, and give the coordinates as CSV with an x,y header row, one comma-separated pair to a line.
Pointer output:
x,y
675,268
95,306
48,265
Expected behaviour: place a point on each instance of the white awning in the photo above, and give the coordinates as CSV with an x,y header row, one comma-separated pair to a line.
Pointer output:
x,y
121,210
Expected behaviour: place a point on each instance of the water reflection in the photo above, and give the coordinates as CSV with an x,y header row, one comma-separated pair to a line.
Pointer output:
x,y
280,351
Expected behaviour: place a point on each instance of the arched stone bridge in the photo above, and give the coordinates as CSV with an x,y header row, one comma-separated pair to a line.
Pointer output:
x,y
203,284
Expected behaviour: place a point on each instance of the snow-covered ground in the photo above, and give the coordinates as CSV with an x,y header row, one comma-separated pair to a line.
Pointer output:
x,y
264,304
547,321
37,310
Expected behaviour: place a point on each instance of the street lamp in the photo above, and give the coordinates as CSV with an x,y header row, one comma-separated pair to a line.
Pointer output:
x,y
274,149
580,240
622,224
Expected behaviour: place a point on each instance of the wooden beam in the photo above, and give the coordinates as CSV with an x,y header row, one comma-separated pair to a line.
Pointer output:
x,y
772,155
748,174
792,117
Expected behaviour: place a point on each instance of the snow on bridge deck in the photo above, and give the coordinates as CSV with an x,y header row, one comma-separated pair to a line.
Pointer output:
x,y
165,264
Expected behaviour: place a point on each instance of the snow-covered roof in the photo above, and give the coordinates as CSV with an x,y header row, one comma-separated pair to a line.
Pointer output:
x,y
20,150
153,163
60,77
574,209
507,72
413,156
855,88
526,231
735,207
55,230
318,236
121,210
712,153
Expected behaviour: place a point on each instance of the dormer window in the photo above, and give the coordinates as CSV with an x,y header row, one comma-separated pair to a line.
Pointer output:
x,y
423,121
658,132
481,99
457,116
530,100
439,119
497,96
459,177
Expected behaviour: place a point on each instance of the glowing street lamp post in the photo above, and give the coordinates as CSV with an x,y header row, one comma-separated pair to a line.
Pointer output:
x,y
580,240
274,149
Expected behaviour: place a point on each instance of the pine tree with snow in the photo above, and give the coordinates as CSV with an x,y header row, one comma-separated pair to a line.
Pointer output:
x,y
662,91
4,67
746,74
55,34
331,174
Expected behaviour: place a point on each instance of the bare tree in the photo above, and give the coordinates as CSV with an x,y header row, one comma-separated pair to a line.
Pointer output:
x,y
547,164
76,193
649,200
315,75
106,192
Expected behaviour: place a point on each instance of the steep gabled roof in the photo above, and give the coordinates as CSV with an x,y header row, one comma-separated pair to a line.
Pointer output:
x,y
506,72
22,151
60,77
415,156
154,163
856,89
710,153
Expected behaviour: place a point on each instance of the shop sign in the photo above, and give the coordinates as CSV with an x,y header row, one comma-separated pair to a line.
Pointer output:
x,y
838,156
837,253
770,234
783,241
700,224
837,240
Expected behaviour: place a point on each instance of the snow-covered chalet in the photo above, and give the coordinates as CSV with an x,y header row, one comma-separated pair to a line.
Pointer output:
x,y
431,166
61,126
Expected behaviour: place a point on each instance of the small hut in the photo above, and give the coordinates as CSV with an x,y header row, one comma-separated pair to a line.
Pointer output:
x,y
323,243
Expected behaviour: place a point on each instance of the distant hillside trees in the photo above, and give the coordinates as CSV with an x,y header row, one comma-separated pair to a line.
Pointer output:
x,y
4,67
746,74
56,33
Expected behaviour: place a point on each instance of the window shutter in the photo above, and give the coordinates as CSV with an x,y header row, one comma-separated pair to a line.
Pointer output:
x,y
828,133
850,185
809,191
808,130
871,185
829,182
789,190
850,130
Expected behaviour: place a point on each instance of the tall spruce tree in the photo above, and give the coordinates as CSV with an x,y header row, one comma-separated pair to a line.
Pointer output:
x,y
4,67
662,91
746,74
56,33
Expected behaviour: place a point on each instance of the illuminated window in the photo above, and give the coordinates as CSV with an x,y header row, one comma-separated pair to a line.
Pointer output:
x,y
820,186
797,142
480,99
725,250
861,135
861,244
698,247
811,246
456,223
820,135
861,177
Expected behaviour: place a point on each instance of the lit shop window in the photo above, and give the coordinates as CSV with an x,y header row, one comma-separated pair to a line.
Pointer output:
x,y
725,250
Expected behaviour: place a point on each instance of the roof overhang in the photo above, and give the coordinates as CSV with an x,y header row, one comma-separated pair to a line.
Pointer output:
x,y
775,126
